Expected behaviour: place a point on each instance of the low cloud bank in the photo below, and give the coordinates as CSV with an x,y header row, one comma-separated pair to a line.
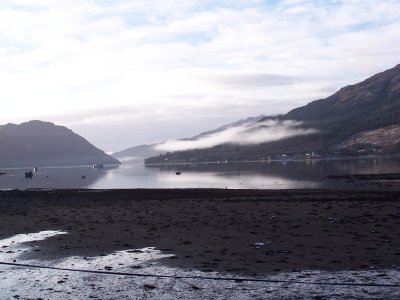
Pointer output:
x,y
245,134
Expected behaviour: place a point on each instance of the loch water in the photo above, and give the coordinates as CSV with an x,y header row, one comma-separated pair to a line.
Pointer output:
x,y
231,175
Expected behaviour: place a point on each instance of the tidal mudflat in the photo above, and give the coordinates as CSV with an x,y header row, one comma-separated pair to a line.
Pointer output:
x,y
283,236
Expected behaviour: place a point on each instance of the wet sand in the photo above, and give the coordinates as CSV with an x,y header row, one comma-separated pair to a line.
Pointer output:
x,y
251,232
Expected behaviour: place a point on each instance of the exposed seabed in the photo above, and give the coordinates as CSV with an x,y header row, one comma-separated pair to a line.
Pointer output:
x,y
23,282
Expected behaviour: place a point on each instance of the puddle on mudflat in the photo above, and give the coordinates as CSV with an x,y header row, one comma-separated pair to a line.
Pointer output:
x,y
11,248
19,239
28,283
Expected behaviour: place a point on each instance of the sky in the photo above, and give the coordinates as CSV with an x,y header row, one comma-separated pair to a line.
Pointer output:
x,y
123,73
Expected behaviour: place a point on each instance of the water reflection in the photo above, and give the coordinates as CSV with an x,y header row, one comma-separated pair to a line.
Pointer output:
x,y
247,175
235,180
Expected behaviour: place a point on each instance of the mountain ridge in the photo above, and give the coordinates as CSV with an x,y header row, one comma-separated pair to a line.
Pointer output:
x,y
369,105
38,143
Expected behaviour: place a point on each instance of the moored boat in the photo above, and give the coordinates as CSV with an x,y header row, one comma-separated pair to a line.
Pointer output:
x,y
28,174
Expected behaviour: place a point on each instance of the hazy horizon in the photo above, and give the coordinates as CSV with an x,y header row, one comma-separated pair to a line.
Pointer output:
x,y
123,73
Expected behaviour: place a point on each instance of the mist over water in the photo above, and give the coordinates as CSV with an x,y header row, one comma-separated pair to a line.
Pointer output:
x,y
245,175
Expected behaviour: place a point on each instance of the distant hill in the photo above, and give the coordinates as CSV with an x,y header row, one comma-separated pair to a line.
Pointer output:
x,y
349,121
37,143
137,153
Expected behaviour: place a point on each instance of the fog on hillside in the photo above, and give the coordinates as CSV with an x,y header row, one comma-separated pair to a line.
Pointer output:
x,y
245,134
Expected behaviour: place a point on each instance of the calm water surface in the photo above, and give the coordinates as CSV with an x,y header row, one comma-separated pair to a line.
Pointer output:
x,y
247,175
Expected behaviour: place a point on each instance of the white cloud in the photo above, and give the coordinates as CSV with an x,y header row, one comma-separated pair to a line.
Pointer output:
x,y
74,57
246,134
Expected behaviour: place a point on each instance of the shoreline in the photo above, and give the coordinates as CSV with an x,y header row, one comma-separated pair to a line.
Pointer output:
x,y
249,232
291,159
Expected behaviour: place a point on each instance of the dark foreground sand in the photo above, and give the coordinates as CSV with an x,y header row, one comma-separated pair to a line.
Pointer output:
x,y
250,232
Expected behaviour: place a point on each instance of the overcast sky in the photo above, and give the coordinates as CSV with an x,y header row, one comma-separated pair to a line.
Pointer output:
x,y
127,72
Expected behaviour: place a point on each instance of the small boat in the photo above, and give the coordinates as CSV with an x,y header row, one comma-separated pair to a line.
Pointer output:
x,y
83,176
28,174
35,169
99,166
